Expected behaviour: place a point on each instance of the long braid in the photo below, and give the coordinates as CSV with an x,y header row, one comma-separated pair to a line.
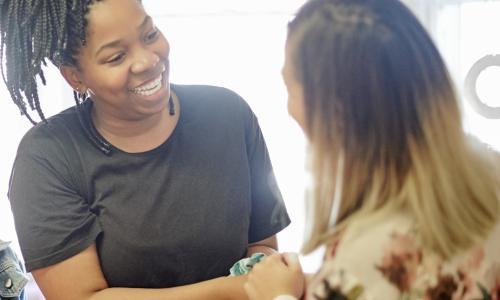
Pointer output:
x,y
32,31
14,70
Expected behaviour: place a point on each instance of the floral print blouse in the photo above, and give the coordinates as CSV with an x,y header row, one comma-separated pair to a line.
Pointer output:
x,y
385,262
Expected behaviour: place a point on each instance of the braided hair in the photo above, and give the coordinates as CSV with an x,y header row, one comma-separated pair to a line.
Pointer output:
x,y
32,32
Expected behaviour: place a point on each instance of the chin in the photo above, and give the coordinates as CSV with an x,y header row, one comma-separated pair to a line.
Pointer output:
x,y
154,108
152,103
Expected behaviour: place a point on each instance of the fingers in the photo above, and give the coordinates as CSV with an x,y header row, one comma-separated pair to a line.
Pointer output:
x,y
285,261
279,274
270,260
291,260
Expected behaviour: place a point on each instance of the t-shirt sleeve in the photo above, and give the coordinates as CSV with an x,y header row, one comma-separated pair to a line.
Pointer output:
x,y
268,213
53,220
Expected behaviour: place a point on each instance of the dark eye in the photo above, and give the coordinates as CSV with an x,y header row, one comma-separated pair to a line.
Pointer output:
x,y
116,59
151,37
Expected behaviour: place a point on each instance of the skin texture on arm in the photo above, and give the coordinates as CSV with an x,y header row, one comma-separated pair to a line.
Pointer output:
x,y
268,246
80,278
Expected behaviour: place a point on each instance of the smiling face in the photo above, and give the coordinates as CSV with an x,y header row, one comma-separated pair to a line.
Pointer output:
x,y
124,63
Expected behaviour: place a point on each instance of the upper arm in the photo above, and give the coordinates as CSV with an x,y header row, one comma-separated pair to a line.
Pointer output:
x,y
268,211
53,219
77,277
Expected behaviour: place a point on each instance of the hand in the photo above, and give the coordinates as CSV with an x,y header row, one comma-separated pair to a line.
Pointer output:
x,y
276,275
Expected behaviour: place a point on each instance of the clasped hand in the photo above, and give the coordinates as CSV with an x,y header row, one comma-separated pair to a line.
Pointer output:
x,y
278,274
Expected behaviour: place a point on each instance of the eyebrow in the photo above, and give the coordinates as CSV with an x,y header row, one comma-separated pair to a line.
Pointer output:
x,y
116,43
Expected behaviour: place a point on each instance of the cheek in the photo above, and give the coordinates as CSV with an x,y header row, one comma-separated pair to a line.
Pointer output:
x,y
111,81
162,46
296,108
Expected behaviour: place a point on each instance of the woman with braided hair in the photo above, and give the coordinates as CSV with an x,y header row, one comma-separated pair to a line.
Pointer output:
x,y
144,189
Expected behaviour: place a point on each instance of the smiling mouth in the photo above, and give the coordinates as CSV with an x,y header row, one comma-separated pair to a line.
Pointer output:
x,y
151,87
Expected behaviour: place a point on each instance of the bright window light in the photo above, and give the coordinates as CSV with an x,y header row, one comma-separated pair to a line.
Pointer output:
x,y
479,25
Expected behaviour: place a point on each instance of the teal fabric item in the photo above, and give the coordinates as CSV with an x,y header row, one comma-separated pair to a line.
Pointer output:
x,y
244,265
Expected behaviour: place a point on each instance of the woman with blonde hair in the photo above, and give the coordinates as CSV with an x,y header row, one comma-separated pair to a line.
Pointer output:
x,y
406,203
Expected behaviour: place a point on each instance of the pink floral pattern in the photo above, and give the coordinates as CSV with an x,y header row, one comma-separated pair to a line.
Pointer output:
x,y
493,281
400,269
400,261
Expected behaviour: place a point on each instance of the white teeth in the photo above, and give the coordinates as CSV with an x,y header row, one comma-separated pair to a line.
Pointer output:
x,y
150,88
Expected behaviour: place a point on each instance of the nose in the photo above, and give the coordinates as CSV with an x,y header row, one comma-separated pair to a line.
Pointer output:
x,y
146,60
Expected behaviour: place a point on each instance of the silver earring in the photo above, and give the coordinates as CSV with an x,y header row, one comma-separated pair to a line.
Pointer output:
x,y
82,96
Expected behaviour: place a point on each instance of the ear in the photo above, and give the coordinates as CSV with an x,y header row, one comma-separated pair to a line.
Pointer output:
x,y
74,77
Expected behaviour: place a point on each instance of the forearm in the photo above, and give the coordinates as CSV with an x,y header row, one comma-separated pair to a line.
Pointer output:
x,y
223,288
80,278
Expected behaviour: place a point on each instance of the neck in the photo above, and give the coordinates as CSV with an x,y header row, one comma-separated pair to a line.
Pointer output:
x,y
137,135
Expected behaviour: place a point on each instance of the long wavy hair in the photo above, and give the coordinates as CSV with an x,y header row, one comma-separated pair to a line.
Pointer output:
x,y
384,126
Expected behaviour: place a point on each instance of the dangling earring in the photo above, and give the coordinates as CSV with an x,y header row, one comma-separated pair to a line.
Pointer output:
x,y
83,96
171,107
80,97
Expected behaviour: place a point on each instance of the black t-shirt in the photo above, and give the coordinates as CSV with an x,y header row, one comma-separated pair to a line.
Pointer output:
x,y
181,213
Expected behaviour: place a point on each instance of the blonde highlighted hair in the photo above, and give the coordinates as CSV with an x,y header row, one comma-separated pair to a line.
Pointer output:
x,y
385,127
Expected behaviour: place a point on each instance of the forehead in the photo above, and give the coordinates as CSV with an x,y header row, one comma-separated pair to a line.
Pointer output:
x,y
113,18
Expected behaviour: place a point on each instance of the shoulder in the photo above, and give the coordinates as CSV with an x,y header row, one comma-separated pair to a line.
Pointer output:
x,y
58,130
375,234
213,99
53,127
364,259
50,145
386,261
